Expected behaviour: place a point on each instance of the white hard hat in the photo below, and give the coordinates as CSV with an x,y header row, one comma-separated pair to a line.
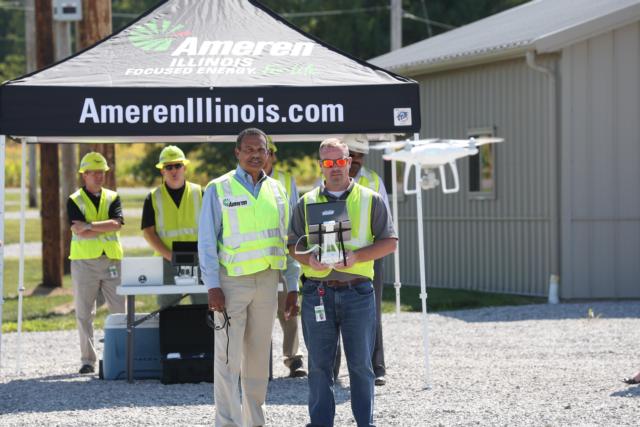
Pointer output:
x,y
357,142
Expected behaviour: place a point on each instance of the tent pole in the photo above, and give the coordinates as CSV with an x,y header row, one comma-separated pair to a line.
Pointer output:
x,y
23,203
2,157
396,254
423,280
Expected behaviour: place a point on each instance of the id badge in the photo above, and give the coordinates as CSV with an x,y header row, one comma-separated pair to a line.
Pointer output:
x,y
320,314
280,287
113,272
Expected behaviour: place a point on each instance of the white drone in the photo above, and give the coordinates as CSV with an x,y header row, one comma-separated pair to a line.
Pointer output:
x,y
428,154
425,156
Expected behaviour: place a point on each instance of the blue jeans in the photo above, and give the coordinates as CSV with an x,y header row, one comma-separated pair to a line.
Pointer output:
x,y
350,311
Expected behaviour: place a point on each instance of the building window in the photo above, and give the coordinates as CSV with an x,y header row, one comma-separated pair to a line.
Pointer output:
x,y
482,168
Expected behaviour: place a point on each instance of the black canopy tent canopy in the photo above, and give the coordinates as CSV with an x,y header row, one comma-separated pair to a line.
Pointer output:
x,y
207,68
201,71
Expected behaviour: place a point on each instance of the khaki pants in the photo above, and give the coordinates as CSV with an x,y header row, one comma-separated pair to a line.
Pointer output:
x,y
251,302
90,276
289,331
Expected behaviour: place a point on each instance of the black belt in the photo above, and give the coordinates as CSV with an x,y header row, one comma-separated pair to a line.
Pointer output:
x,y
342,284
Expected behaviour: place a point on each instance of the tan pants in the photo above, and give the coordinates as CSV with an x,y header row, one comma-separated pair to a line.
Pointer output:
x,y
251,303
289,331
90,276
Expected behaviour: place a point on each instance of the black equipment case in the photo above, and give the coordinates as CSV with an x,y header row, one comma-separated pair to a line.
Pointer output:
x,y
184,331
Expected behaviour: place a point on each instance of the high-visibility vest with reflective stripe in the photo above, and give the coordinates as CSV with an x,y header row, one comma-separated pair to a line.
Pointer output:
x,y
359,203
254,230
173,223
92,248
286,179
370,179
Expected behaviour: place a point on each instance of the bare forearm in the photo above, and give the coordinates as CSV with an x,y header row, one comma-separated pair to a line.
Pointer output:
x,y
106,226
154,241
301,258
379,249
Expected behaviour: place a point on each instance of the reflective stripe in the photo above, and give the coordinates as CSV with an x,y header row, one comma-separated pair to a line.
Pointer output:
x,y
228,258
157,193
96,239
176,233
234,223
196,194
77,197
280,201
365,205
236,240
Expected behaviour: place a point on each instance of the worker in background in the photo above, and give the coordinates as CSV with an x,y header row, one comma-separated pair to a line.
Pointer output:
x,y
290,342
242,250
171,213
96,217
358,145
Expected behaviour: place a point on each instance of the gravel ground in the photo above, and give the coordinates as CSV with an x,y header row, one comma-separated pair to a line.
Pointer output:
x,y
529,365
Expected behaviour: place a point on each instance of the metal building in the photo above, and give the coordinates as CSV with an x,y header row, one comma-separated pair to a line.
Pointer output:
x,y
560,81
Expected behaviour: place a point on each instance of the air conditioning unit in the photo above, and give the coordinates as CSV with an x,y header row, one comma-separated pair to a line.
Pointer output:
x,y
67,10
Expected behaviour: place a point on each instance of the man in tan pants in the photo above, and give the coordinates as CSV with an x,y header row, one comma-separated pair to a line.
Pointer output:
x,y
96,216
242,240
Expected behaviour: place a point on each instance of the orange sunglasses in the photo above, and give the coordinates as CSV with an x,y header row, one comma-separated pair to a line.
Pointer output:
x,y
329,163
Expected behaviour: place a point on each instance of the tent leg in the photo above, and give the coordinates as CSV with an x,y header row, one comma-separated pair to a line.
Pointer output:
x,y
2,158
23,204
423,280
396,223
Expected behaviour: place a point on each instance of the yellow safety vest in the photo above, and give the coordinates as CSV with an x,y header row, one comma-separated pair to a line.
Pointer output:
x,y
359,203
92,248
285,178
254,230
370,179
177,224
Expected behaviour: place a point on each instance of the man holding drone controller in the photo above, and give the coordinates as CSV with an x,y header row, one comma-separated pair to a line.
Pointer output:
x,y
339,298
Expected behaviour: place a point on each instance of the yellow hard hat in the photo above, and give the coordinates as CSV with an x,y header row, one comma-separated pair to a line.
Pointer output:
x,y
171,154
93,162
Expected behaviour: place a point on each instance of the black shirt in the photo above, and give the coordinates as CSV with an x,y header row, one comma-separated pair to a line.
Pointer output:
x,y
74,213
149,214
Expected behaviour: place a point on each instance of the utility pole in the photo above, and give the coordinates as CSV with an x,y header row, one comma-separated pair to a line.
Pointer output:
x,y
68,152
30,50
49,162
396,24
96,25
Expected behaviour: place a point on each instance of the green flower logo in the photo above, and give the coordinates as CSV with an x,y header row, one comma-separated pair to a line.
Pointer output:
x,y
156,36
226,202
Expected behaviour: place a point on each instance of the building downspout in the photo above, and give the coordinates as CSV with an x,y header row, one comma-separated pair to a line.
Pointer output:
x,y
555,189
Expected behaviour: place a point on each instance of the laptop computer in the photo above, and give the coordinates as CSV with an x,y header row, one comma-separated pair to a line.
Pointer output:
x,y
142,271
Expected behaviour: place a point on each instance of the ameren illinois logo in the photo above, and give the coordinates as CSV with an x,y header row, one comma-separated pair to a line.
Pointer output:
x,y
156,36
232,204
193,55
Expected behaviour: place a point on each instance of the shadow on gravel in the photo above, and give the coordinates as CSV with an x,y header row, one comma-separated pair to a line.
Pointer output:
x,y
628,392
71,392
295,391
584,310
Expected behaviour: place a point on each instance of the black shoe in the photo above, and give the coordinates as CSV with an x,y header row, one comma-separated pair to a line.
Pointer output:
x,y
87,369
295,369
380,380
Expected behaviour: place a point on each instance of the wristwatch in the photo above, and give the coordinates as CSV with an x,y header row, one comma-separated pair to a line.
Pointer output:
x,y
88,226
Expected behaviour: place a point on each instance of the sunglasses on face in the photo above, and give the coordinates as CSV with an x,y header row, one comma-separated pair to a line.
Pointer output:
x,y
176,166
329,163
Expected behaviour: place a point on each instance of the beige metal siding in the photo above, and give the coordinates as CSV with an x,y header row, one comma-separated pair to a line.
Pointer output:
x,y
499,245
601,166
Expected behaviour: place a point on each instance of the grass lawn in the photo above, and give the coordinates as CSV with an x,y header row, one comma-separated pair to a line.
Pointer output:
x,y
53,312
449,299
